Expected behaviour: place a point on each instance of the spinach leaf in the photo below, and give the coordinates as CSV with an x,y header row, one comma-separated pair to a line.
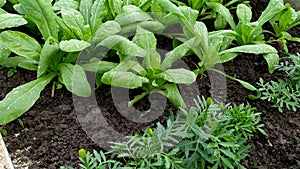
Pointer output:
x,y
74,78
49,49
98,13
22,98
8,20
73,45
41,13
21,44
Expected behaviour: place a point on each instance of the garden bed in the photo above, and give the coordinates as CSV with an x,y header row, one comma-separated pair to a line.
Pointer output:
x,y
51,135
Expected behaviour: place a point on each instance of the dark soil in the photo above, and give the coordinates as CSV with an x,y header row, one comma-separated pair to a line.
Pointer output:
x,y
53,134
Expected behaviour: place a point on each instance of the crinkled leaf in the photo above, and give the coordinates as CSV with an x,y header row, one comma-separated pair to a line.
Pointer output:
x,y
123,79
74,20
8,20
146,40
21,44
178,76
98,13
21,99
74,78
244,13
58,5
50,48
41,13
73,45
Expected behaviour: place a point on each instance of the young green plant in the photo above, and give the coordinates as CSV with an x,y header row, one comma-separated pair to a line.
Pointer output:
x,y
213,47
148,75
284,21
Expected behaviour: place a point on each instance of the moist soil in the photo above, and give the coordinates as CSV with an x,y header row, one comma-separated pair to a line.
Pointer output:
x,y
52,134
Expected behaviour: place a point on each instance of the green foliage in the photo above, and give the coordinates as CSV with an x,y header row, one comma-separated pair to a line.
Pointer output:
x,y
64,35
207,135
284,21
212,47
248,32
284,92
150,75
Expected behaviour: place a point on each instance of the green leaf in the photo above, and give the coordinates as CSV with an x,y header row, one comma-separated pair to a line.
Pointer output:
x,y
253,48
167,162
227,162
224,12
122,45
74,78
220,22
153,26
169,6
178,76
50,48
22,98
58,5
228,153
132,14
73,45
129,64
99,66
74,20
146,40
8,20
105,30
17,60
2,2
4,52
285,19
21,44
190,14
98,13
272,60
178,53
85,8
123,79
246,85
244,13
227,57
173,94
41,13
274,7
